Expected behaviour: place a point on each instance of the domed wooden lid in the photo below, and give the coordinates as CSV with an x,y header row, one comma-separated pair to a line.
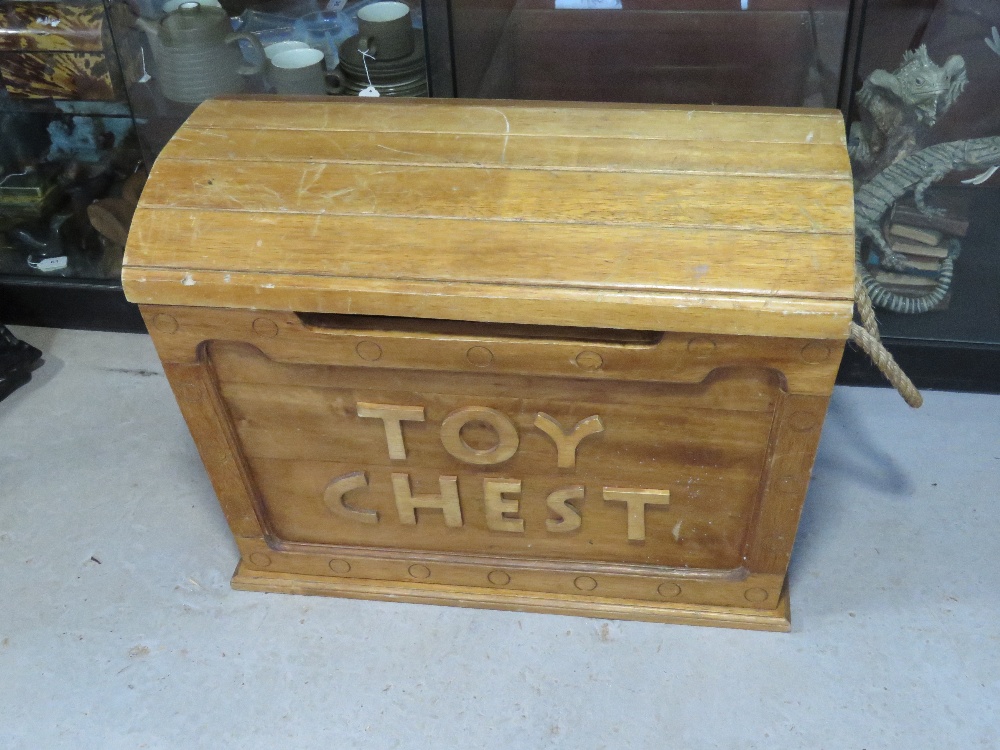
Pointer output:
x,y
720,220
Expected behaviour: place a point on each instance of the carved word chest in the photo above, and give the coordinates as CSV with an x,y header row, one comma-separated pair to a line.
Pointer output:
x,y
567,358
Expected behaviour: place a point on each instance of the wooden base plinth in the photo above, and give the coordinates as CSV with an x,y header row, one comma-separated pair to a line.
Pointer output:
x,y
777,619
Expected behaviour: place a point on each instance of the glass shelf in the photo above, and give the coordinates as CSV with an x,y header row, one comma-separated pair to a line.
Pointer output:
x,y
65,107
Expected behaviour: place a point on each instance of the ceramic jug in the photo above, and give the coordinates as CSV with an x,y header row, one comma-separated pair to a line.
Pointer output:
x,y
197,54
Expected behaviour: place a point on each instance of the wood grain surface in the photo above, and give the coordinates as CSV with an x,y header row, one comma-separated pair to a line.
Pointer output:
x,y
558,358
708,450
557,213
706,615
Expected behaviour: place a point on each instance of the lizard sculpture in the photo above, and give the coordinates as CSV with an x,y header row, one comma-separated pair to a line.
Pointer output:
x,y
897,110
916,172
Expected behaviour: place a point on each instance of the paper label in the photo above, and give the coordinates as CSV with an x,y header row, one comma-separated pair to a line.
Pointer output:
x,y
369,91
50,264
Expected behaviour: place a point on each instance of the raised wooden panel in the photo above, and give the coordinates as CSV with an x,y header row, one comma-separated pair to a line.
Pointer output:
x,y
707,453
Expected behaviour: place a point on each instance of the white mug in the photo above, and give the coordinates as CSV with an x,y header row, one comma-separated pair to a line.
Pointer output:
x,y
278,47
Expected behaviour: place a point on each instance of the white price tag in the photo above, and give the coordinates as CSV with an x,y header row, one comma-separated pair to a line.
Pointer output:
x,y
588,4
369,91
50,264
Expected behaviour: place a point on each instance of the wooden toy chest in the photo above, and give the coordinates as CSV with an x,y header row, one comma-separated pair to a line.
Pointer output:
x,y
568,358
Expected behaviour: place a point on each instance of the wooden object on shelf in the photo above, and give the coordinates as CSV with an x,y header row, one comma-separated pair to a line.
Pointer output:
x,y
922,241
919,249
58,50
917,284
133,186
111,217
31,26
950,217
568,358
924,265
916,234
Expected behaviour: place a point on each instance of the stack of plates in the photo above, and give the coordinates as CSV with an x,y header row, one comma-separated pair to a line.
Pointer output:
x,y
404,76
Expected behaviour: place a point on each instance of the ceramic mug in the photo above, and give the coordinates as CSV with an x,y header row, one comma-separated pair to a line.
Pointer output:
x,y
385,30
278,47
298,71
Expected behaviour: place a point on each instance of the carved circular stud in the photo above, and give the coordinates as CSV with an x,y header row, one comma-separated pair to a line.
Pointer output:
x,y
420,571
585,583
815,352
589,361
498,578
756,595
479,356
369,350
265,327
701,348
165,323
340,567
668,590
260,559
802,421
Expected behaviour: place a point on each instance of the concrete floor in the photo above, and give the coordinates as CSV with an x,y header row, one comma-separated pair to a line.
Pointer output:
x,y
118,628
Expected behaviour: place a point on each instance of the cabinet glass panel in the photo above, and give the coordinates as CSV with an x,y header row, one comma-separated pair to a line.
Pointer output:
x,y
753,52
68,145
176,54
925,147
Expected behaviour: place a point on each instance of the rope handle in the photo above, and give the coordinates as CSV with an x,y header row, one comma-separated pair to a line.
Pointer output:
x,y
867,337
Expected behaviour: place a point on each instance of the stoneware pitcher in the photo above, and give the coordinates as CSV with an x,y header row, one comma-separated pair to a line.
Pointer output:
x,y
197,54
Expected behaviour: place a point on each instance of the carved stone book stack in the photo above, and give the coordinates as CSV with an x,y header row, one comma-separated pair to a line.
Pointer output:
x,y
567,358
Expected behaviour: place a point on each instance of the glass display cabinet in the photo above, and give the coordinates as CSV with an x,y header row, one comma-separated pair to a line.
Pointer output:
x,y
925,146
93,90
751,52
70,167
176,54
